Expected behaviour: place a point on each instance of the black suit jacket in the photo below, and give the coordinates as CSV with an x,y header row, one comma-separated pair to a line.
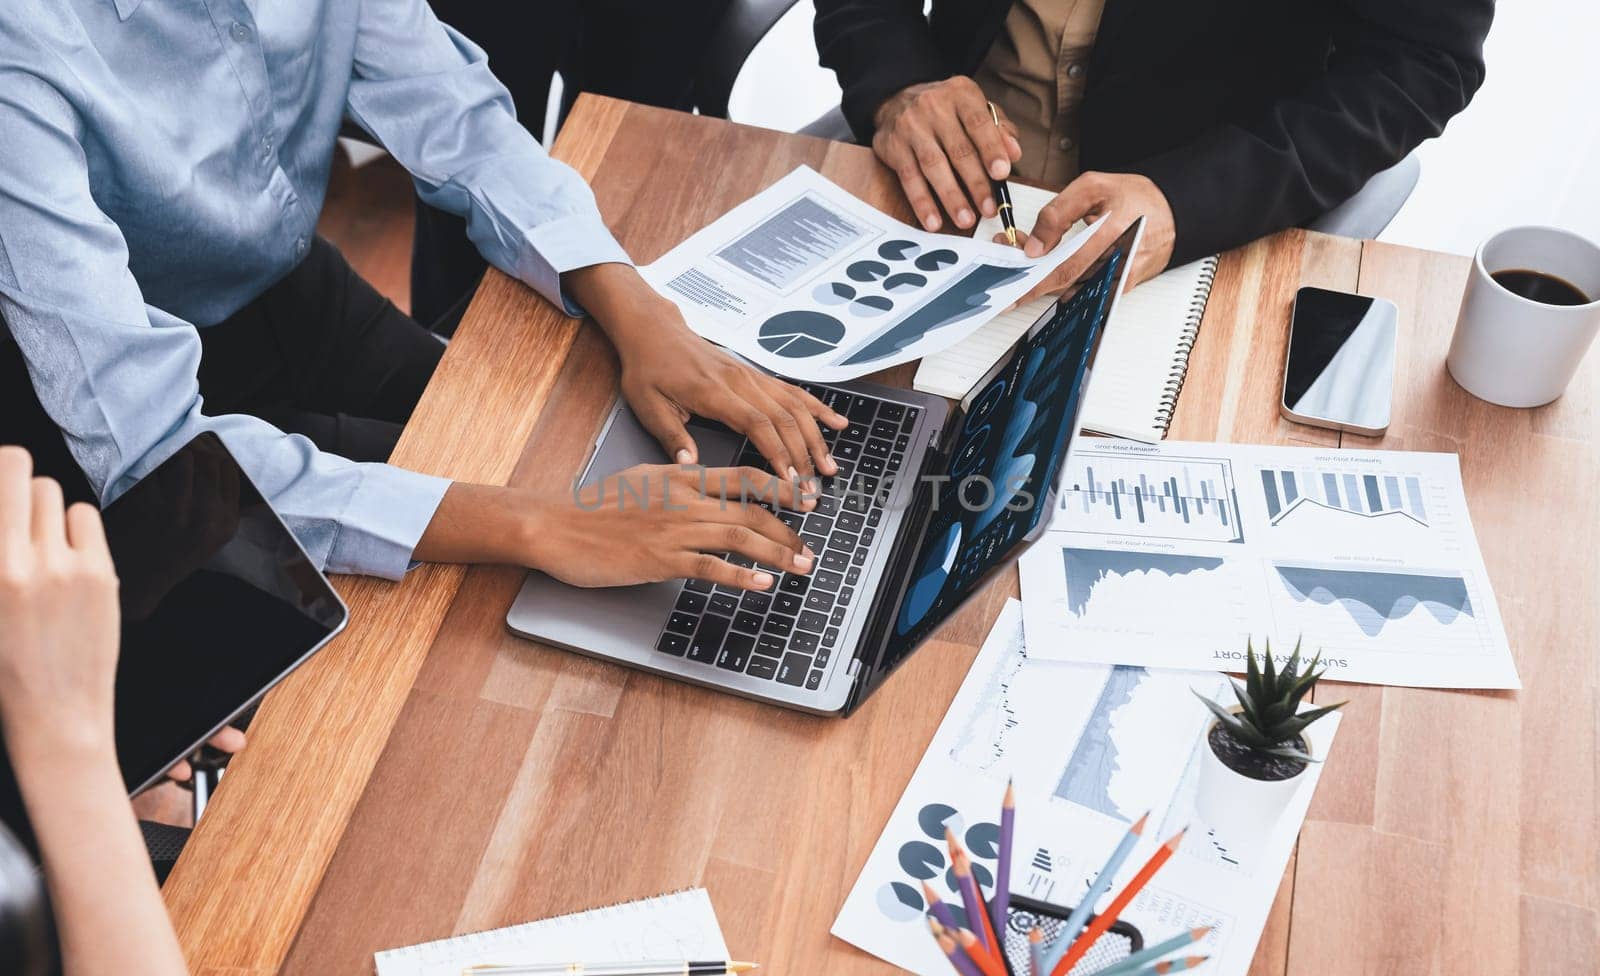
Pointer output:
x,y
1250,115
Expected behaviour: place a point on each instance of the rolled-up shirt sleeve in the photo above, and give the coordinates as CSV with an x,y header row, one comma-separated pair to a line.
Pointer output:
x,y
427,95
119,377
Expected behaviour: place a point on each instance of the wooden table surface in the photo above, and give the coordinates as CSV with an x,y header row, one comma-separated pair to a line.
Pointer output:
x,y
429,774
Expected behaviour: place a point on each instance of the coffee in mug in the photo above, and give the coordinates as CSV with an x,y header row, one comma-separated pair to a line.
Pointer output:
x,y
1530,313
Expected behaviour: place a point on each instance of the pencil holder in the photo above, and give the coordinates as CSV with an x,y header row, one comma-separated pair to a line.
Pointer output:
x,y
1023,915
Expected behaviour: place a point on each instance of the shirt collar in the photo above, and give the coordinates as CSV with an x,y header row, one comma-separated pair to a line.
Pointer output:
x,y
125,8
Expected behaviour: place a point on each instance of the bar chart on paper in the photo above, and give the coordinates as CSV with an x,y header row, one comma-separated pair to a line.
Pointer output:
x,y
1148,496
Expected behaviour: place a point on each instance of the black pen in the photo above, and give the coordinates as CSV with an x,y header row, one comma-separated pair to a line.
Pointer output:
x,y
1003,191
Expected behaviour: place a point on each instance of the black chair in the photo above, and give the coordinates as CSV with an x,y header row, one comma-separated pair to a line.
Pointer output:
x,y
1364,215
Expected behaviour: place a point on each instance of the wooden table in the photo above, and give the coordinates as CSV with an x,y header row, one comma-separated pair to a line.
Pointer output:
x,y
429,774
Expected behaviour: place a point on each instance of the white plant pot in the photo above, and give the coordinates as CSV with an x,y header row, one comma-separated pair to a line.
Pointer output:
x,y
1240,810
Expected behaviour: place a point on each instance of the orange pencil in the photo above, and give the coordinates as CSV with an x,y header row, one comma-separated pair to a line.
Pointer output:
x,y
1105,919
987,964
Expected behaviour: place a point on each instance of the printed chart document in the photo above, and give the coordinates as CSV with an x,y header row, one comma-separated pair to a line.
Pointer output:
x,y
1368,555
1091,748
812,283
672,927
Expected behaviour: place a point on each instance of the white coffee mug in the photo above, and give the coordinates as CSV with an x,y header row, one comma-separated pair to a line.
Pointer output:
x,y
1515,351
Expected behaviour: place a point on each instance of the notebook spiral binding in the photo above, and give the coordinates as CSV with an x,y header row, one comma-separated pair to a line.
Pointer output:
x,y
446,947
1168,403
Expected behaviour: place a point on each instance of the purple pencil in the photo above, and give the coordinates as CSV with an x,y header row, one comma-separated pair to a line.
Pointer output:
x,y
968,886
947,945
937,908
1002,870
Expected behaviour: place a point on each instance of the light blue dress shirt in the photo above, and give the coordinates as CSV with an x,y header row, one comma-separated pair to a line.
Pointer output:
x,y
162,162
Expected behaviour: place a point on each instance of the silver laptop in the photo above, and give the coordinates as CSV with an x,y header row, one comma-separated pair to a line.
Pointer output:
x,y
930,501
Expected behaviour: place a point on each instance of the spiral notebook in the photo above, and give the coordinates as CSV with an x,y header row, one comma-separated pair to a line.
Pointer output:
x,y
682,925
1143,357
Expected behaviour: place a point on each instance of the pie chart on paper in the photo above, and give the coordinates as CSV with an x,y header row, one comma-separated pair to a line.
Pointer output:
x,y
800,334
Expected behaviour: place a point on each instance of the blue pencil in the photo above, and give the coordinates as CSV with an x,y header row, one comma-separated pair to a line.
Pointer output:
x,y
1102,883
1147,956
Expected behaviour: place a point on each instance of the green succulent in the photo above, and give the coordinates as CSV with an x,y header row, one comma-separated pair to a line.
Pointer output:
x,y
1269,719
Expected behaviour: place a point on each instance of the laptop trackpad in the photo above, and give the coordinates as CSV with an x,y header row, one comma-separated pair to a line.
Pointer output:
x,y
627,443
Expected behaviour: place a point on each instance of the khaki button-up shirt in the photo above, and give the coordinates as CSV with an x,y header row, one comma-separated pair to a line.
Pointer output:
x,y
1036,72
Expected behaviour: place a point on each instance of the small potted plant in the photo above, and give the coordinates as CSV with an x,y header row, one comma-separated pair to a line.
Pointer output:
x,y
1256,751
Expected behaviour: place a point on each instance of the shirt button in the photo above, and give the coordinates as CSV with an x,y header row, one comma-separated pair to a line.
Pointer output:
x,y
1075,69
1066,143
240,32
300,245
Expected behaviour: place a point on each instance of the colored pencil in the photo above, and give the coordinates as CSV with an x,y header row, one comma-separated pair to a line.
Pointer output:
x,y
952,952
976,916
1105,919
1170,966
987,963
1146,956
1002,870
989,930
1036,952
1102,882
937,908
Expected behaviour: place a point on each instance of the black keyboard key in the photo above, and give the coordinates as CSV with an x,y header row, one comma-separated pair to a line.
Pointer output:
x,y
824,579
855,432
874,517
852,577
872,465
743,562
892,411
813,621
707,641
793,583
723,603
901,443
845,596
762,667
771,645
788,603
896,461
857,503
698,586
836,618
816,522
779,625
814,681
867,535
674,644
878,448
887,429
850,522
830,637
692,603
847,470
737,592
826,505
823,657
816,542
859,557
748,622
682,623
803,642
861,409
847,451
792,519
821,603
793,669
839,540
756,602
868,486
736,652
910,421
833,560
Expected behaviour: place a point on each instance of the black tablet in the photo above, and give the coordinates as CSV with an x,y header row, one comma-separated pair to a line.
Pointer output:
x,y
219,603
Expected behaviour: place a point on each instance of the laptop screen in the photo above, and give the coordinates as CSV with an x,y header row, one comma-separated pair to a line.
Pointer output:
x,y
1008,453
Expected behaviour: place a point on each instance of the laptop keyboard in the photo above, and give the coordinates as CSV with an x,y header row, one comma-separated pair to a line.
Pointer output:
x,y
790,633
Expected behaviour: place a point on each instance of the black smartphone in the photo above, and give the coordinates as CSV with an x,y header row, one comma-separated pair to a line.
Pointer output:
x,y
1339,372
